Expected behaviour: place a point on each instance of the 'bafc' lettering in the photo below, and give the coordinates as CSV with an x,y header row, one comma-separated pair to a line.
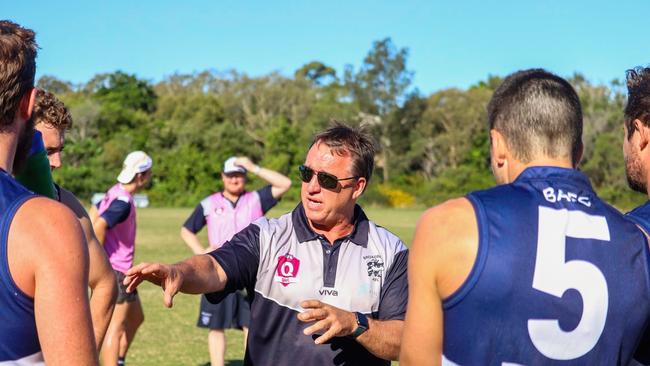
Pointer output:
x,y
552,196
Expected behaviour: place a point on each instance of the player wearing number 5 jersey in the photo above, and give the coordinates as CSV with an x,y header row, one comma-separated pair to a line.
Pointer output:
x,y
537,270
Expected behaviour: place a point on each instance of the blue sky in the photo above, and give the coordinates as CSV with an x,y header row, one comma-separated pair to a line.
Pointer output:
x,y
452,43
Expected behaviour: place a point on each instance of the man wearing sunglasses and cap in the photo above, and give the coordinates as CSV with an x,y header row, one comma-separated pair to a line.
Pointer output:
x,y
114,223
226,213
330,285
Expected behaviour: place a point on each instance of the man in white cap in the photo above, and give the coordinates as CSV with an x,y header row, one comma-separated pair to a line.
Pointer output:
x,y
114,224
225,214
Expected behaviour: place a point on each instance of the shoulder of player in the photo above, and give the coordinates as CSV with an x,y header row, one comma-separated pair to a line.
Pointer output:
x,y
71,201
45,225
443,229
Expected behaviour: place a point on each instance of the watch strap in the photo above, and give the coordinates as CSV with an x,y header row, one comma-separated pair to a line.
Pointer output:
x,y
362,325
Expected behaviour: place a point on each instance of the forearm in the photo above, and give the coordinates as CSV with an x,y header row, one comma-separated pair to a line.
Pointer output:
x,y
280,184
102,303
274,178
201,274
383,338
192,241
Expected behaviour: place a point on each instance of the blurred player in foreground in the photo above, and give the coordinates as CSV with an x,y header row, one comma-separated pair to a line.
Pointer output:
x,y
44,310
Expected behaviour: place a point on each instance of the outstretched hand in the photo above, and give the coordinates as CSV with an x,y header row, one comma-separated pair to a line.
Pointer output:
x,y
166,276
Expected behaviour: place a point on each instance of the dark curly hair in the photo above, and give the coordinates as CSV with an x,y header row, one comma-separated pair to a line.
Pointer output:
x,y
18,51
638,98
49,110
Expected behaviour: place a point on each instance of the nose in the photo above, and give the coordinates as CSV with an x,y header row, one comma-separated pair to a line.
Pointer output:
x,y
55,160
313,186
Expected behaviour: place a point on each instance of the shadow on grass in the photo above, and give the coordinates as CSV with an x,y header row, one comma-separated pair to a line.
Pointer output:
x,y
234,362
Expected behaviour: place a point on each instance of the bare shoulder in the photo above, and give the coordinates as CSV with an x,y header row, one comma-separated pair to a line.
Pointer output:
x,y
71,201
446,242
453,219
43,221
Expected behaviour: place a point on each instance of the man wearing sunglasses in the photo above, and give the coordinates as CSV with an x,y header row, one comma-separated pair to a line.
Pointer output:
x,y
225,213
330,285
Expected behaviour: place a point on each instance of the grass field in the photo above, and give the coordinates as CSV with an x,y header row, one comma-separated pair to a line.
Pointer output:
x,y
169,336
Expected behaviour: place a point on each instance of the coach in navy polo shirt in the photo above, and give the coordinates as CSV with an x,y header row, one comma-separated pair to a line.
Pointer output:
x,y
330,286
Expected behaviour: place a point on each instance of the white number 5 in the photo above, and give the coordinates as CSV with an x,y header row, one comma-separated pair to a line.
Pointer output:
x,y
554,276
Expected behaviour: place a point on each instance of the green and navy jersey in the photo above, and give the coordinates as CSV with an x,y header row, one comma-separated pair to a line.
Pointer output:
x,y
18,336
283,262
560,278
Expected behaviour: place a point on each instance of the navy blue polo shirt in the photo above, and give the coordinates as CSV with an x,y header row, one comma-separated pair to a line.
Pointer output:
x,y
284,262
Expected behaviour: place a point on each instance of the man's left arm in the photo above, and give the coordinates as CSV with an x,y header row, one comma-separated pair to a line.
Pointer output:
x,y
280,183
384,334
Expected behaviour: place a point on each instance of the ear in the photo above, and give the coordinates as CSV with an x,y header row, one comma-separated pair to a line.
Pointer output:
x,y
644,134
499,147
26,105
359,187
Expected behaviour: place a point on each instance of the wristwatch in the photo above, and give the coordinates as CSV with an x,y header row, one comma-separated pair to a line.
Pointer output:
x,y
362,325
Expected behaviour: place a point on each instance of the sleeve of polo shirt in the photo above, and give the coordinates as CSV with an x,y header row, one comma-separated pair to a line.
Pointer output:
x,y
239,258
117,212
266,198
196,221
394,293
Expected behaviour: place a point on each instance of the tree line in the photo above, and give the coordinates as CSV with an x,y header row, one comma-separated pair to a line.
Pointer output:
x,y
431,147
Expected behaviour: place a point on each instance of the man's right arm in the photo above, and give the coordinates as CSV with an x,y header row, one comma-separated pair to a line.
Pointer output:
x,y
231,267
117,212
192,225
48,258
441,257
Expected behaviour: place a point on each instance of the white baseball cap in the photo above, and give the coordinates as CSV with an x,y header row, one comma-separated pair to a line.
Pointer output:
x,y
136,162
230,167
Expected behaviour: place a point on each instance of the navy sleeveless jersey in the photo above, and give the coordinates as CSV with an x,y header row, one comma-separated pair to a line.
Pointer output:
x,y
641,216
18,337
560,278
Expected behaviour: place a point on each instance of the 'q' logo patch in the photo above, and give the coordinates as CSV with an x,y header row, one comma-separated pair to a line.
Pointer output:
x,y
287,269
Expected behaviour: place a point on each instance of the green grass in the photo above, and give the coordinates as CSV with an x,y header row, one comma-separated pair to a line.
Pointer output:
x,y
170,336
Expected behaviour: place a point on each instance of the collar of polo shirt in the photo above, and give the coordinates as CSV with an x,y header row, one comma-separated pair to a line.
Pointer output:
x,y
304,233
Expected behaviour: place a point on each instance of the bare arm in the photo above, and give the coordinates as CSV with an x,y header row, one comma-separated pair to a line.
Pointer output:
x,y
192,241
101,279
51,258
100,226
280,183
195,275
442,255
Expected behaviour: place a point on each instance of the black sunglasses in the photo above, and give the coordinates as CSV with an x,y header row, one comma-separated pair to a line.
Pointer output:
x,y
326,180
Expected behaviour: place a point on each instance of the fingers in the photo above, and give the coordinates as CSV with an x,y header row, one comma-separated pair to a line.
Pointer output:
x,y
152,272
331,333
313,315
168,296
132,282
311,304
171,288
318,327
